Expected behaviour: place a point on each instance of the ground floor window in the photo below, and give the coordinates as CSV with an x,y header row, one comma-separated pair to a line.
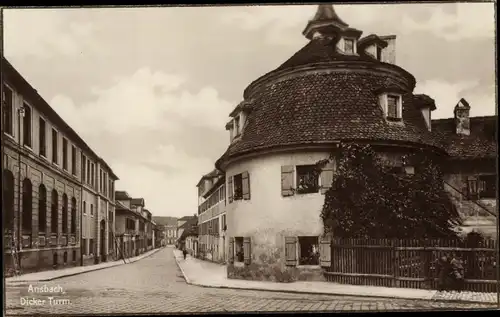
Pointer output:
x,y
238,249
91,246
308,250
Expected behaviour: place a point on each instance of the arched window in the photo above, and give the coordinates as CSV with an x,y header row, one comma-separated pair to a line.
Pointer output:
x,y
73,215
8,196
27,214
65,213
42,208
54,212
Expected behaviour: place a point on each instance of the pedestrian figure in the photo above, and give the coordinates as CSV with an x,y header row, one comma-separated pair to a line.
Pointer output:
x,y
184,252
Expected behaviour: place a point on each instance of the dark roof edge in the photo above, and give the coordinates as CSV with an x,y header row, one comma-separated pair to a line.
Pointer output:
x,y
36,98
326,145
476,117
275,74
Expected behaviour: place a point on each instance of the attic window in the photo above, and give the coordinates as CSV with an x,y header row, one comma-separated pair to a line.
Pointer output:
x,y
392,106
349,46
237,125
379,53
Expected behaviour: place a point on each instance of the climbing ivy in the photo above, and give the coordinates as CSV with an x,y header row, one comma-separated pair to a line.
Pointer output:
x,y
368,199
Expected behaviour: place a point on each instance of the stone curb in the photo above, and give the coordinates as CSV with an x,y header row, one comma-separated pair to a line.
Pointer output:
x,y
188,281
77,273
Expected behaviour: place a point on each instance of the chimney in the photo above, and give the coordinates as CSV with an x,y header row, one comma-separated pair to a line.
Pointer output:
x,y
389,53
462,121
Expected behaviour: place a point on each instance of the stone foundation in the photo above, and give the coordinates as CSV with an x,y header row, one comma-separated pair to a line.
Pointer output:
x,y
43,260
274,273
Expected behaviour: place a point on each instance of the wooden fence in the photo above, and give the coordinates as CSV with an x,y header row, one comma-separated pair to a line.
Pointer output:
x,y
408,263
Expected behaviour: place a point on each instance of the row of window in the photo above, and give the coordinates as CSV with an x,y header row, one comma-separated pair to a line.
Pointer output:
x,y
216,197
27,211
27,140
298,250
129,224
88,246
85,209
211,227
69,152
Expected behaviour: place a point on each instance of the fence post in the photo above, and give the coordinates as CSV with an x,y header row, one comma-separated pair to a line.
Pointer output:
x,y
426,264
395,263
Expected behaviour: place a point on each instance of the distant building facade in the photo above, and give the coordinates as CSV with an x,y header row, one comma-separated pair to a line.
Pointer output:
x,y
212,242
168,227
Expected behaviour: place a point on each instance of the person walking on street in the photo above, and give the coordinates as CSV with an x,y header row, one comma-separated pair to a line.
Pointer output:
x,y
184,252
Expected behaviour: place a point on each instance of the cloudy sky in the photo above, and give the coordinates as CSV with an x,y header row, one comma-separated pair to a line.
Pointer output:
x,y
150,89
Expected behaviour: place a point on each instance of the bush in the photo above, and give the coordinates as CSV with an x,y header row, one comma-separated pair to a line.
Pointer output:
x,y
451,273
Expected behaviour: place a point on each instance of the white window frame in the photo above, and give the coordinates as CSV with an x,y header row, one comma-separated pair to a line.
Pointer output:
x,y
297,253
354,50
384,103
25,105
296,175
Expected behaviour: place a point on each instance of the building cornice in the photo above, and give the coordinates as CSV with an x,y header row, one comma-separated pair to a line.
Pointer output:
x,y
223,162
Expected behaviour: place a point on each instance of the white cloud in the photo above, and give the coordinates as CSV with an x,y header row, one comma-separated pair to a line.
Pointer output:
x,y
152,100
282,23
155,169
164,194
468,21
44,33
447,95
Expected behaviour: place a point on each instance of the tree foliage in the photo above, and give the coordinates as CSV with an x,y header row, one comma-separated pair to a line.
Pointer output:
x,y
368,199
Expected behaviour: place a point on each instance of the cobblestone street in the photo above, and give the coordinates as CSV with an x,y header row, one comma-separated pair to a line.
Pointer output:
x,y
155,284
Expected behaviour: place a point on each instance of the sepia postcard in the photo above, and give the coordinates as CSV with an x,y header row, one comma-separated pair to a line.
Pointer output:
x,y
193,159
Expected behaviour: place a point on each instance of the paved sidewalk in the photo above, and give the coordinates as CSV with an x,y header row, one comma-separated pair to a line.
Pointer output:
x,y
209,274
55,274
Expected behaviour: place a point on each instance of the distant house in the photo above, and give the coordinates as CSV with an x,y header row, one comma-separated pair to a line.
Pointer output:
x,y
212,216
188,235
168,228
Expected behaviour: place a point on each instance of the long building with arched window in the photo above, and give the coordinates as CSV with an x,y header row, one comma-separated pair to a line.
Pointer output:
x,y
58,194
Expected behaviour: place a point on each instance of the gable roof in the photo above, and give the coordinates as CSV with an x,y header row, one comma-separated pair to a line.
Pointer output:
x,y
165,221
137,202
122,195
481,143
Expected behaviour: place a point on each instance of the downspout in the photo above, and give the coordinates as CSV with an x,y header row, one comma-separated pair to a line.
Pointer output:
x,y
81,206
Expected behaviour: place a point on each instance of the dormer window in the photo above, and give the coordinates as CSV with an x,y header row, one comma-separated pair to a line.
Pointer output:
x,y
349,46
393,106
391,103
237,125
378,55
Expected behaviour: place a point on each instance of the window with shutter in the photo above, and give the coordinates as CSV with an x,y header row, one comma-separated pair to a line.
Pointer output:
x,y
230,189
291,251
327,177
231,250
245,179
287,180
247,254
325,252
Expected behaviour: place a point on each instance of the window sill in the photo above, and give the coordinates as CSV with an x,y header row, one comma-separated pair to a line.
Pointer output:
x,y
310,267
11,136
394,119
28,147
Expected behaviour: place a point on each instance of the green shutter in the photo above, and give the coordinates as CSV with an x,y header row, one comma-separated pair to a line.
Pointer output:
x,y
247,254
230,255
245,180
287,173
291,251
327,177
230,189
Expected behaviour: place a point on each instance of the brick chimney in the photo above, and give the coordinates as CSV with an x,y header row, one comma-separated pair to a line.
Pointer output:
x,y
462,121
